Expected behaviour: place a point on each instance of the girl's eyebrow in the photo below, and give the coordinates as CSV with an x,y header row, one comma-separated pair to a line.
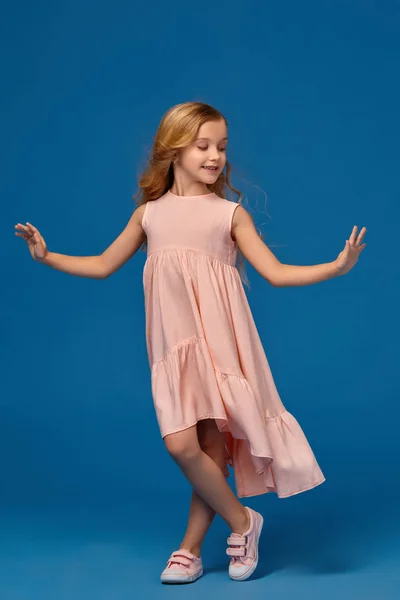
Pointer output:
x,y
205,138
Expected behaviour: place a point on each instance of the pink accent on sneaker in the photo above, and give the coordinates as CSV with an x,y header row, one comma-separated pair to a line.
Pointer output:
x,y
182,567
243,548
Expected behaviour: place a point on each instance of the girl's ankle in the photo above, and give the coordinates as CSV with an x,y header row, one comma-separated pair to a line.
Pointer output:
x,y
192,549
243,524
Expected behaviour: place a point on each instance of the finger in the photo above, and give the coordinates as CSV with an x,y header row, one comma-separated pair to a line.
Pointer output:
x,y
353,235
356,241
361,235
24,228
35,232
26,234
31,227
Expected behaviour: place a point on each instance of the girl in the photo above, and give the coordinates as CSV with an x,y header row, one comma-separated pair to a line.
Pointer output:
x,y
213,391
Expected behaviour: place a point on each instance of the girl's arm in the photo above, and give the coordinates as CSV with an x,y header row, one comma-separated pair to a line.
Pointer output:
x,y
266,263
126,244
81,266
96,267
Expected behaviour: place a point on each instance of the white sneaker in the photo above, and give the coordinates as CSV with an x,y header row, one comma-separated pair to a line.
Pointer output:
x,y
243,548
182,567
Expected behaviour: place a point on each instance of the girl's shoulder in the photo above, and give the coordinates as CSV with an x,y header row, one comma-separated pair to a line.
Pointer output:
x,y
138,214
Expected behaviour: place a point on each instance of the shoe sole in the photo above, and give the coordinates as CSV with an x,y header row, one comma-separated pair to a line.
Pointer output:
x,y
181,578
250,572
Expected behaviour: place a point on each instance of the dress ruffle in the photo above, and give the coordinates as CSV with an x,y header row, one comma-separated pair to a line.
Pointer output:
x,y
269,453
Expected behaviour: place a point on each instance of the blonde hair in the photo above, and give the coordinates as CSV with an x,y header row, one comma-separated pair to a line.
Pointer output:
x,y
177,129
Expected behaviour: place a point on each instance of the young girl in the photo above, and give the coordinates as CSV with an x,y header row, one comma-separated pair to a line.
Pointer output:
x,y
214,395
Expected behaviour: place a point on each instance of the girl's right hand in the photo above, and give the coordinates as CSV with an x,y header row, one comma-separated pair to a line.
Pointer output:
x,y
36,244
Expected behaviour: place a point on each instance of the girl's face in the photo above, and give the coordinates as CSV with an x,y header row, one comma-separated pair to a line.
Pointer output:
x,y
208,150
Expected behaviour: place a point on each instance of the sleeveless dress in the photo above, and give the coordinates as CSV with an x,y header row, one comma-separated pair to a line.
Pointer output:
x,y
205,354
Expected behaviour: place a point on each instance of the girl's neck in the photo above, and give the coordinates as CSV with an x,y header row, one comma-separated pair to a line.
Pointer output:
x,y
193,189
194,195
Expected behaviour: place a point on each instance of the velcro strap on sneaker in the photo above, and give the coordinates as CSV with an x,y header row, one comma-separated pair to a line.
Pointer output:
x,y
236,551
176,557
236,541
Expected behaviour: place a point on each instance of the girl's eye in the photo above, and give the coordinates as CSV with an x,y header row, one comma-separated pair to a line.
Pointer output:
x,y
221,149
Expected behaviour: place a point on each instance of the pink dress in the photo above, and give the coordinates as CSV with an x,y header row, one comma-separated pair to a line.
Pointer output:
x,y
205,353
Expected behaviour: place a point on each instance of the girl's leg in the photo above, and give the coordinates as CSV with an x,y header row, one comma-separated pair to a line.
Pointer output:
x,y
201,515
206,478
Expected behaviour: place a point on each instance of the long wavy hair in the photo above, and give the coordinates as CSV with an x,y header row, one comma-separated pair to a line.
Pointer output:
x,y
178,128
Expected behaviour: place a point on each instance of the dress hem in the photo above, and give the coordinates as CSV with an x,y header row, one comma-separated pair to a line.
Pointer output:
x,y
268,491
201,418
230,462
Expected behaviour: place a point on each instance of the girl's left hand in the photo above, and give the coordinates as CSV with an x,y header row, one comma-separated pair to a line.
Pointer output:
x,y
349,255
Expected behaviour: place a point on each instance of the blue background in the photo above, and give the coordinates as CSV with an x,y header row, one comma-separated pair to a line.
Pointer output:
x,y
91,503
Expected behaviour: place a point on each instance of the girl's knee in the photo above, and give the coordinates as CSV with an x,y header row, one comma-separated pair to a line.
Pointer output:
x,y
183,445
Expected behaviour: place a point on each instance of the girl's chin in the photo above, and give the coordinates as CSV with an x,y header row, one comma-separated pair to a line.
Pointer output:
x,y
211,173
